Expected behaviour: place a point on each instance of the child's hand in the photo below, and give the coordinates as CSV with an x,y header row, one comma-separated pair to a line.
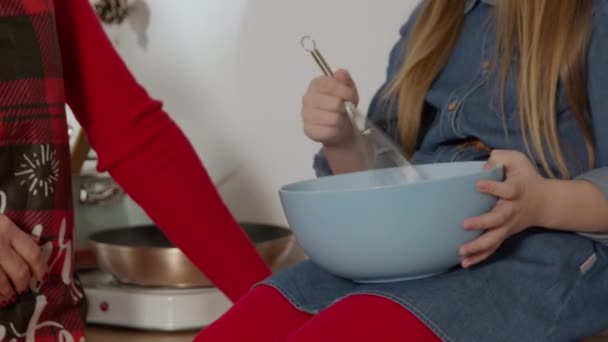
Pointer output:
x,y
323,110
520,198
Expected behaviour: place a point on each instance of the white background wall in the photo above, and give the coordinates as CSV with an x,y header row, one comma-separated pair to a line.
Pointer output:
x,y
232,73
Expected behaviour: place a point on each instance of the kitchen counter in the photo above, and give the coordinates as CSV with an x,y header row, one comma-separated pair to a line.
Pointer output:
x,y
102,334
106,334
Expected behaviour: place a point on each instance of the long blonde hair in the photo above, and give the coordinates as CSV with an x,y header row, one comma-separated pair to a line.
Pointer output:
x,y
547,38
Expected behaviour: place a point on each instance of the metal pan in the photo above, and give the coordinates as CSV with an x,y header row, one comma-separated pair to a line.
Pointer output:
x,y
143,256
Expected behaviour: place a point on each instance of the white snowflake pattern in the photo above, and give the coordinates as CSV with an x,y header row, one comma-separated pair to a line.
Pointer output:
x,y
39,171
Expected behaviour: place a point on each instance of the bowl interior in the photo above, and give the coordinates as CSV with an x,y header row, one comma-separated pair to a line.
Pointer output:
x,y
385,178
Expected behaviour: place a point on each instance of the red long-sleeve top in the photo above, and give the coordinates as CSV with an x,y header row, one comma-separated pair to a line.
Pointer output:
x,y
148,155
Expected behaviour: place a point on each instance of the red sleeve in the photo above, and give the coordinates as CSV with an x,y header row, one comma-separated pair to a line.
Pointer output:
x,y
148,155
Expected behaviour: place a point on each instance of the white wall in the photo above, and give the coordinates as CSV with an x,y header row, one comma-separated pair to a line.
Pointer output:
x,y
232,74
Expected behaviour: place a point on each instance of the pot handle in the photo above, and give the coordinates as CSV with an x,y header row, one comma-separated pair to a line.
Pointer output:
x,y
99,193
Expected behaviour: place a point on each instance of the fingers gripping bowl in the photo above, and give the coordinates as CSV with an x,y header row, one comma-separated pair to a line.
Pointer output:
x,y
357,229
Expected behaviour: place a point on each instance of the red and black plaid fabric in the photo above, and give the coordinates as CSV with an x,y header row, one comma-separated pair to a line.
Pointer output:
x,y
35,184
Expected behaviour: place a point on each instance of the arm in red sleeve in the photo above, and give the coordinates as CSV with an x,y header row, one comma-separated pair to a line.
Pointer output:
x,y
148,155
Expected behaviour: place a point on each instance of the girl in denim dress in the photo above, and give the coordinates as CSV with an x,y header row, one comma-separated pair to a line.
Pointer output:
x,y
520,83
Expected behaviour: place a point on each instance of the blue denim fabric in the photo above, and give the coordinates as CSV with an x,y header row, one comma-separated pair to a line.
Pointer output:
x,y
540,286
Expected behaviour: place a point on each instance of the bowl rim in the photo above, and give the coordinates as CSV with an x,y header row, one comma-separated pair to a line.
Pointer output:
x,y
286,188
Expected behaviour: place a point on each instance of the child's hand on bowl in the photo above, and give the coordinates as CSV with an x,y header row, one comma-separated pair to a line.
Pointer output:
x,y
519,206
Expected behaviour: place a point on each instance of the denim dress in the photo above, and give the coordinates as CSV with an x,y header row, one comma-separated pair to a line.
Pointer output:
x,y
541,285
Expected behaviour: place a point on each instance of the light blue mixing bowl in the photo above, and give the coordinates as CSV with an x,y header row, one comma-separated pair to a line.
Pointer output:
x,y
357,229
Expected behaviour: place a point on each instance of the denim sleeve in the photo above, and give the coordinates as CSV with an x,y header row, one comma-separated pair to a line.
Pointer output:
x,y
597,87
321,165
599,177
381,112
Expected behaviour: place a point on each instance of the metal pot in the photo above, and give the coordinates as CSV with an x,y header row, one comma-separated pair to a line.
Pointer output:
x,y
143,256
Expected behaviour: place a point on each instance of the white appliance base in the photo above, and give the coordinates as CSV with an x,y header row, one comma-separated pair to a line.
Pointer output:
x,y
114,304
